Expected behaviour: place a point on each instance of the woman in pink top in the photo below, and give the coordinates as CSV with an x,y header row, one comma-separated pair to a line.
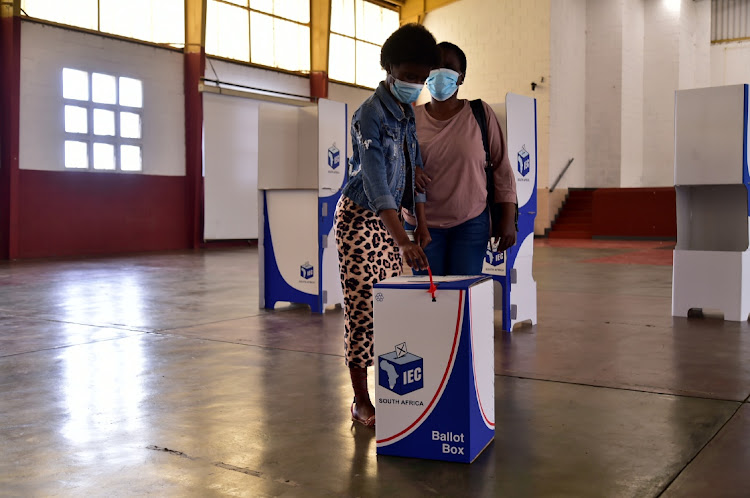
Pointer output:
x,y
458,221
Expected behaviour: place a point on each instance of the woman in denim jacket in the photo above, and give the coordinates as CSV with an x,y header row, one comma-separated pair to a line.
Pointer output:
x,y
370,237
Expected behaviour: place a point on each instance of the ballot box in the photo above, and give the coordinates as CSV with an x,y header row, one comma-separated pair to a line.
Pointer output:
x,y
434,364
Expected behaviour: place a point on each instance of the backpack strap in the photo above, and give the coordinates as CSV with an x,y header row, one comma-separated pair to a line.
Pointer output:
x,y
478,109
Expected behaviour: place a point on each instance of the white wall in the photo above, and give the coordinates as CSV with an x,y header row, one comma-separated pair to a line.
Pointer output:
x,y
695,44
46,50
677,38
256,77
603,92
631,110
730,63
661,79
568,92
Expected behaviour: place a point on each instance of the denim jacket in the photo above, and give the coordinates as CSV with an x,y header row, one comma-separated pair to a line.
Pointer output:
x,y
378,162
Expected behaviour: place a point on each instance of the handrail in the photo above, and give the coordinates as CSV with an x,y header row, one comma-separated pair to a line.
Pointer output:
x,y
559,177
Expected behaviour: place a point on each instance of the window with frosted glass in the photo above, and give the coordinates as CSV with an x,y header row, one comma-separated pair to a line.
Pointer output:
x,y
102,121
227,31
156,21
358,30
79,13
274,33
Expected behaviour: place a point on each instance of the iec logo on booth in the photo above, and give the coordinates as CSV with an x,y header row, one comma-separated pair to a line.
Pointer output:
x,y
401,371
524,163
306,271
334,156
494,258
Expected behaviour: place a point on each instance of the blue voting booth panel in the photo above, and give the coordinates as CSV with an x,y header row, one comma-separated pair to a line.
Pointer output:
x,y
434,390
512,270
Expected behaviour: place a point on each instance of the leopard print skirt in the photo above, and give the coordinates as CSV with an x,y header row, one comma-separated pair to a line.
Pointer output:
x,y
367,255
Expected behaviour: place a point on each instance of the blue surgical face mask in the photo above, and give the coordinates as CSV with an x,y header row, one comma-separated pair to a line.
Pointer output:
x,y
404,92
442,83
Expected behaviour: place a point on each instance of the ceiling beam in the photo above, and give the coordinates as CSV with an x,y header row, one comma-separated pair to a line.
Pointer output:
x,y
416,10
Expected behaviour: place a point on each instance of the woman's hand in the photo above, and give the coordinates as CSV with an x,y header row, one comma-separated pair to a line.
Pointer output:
x,y
504,228
505,235
414,256
422,235
421,181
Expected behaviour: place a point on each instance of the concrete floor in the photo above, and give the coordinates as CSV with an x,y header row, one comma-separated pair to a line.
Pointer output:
x,y
158,375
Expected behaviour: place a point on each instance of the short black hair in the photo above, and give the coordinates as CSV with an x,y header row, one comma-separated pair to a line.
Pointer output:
x,y
410,43
449,47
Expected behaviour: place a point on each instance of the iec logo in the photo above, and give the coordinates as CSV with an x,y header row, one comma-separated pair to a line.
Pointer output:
x,y
401,371
524,163
494,258
334,156
306,271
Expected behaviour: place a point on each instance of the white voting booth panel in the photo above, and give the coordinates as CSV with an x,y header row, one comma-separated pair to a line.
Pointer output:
x,y
711,266
715,280
512,270
435,382
230,162
302,169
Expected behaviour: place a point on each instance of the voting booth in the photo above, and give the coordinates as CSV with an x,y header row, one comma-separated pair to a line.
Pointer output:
x,y
435,376
302,167
712,183
512,270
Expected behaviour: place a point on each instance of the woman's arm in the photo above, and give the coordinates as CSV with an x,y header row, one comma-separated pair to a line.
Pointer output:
x,y
504,210
366,131
413,254
422,234
366,135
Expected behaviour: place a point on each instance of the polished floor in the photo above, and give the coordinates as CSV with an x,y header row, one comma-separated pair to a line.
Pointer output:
x,y
158,375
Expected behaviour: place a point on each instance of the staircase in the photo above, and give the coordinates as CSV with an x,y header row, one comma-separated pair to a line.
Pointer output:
x,y
574,220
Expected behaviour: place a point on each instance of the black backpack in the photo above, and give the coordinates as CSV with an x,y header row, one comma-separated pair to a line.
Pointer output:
x,y
478,109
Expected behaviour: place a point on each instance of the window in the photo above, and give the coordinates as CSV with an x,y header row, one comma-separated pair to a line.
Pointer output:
x,y
358,30
273,33
102,119
80,13
730,20
156,21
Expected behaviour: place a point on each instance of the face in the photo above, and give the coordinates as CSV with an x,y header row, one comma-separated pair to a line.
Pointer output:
x,y
449,60
410,72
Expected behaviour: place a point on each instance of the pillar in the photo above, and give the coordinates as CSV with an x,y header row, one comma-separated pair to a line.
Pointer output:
x,y
10,96
194,67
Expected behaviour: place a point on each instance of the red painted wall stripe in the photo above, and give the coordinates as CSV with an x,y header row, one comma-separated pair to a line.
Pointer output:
x,y
635,212
81,213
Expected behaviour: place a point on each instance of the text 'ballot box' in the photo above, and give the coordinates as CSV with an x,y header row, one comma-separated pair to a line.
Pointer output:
x,y
435,375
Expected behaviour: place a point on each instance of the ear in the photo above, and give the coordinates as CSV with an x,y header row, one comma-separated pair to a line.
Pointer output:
x,y
461,79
